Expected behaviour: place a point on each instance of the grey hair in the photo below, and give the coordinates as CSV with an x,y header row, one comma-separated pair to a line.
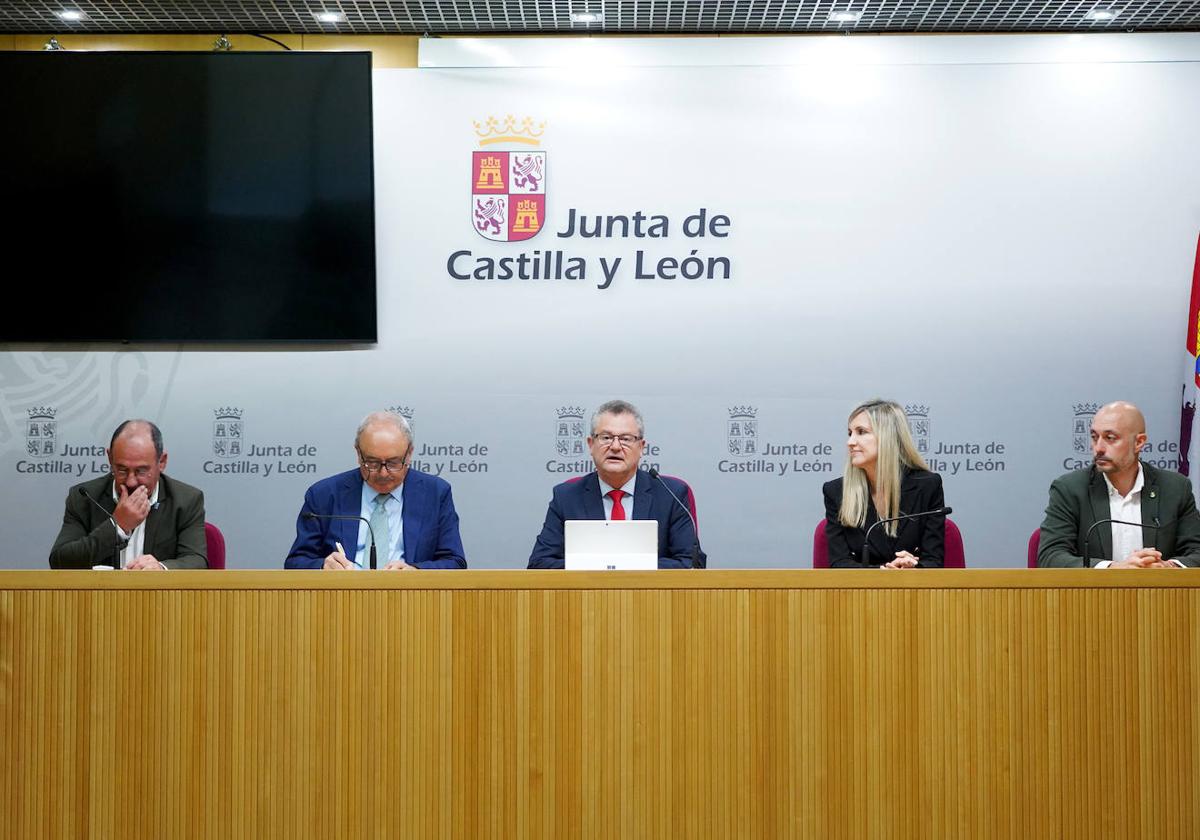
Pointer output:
x,y
619,407
387,418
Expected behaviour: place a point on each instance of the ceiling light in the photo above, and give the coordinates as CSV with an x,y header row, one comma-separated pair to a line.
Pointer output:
x,y
330,17
845,17
1101,14
71,15
587,17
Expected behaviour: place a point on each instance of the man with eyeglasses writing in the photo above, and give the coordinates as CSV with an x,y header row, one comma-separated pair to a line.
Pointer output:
x,y
618,490
136,518
408,515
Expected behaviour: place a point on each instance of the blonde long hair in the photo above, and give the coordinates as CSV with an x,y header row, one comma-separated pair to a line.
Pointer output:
x,y
896,451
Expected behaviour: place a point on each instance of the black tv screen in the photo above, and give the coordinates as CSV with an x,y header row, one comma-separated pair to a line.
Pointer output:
x,y
187,196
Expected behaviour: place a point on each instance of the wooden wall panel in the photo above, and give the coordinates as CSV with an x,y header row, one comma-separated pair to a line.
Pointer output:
x,y
387,51
508,704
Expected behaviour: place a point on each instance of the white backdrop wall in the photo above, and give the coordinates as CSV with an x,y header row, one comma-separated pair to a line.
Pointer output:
x,y
997,232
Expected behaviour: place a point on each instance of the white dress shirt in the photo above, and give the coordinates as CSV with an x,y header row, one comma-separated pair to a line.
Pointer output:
x,y
626,500
1126,539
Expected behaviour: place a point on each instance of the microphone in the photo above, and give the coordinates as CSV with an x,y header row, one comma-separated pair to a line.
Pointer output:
x,y
1172,520
310,515
1159,525
1087,537
942,511
120,543
83,492
695,530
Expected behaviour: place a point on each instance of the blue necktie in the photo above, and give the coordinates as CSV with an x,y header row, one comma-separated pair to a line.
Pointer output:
x,y
379,526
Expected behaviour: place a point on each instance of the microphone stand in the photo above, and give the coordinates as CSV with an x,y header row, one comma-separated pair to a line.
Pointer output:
x,y
1087,537
942,511
695,529
119,545
310,515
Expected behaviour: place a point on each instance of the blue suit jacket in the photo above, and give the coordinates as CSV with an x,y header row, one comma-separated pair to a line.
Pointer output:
x,y
431,539
581,500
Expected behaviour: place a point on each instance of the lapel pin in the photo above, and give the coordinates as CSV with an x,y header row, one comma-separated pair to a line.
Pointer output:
x,y
1153,494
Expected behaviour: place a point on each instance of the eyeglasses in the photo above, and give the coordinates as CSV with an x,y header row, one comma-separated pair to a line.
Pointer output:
x,y
122,473
626,441
391,465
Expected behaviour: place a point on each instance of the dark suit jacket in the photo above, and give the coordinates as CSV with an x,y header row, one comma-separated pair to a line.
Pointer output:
x,y
174,531
1079,499
581,500
925,537
431,539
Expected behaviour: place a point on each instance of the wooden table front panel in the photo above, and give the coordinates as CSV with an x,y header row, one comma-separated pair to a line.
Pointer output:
x,y
553,705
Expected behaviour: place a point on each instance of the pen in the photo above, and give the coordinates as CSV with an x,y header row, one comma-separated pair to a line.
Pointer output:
x,y
342,552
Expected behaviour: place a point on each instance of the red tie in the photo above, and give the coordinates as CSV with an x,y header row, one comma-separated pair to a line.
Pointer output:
x,y
618,510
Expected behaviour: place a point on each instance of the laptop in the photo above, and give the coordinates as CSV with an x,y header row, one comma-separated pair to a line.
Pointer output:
x,y
599,545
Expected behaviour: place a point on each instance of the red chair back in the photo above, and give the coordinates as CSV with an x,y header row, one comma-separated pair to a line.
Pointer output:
x,y
216,546
689,499
820,547
955,555
1035,540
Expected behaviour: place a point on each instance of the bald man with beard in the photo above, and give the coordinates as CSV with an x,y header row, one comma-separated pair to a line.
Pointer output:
x,y
1119,486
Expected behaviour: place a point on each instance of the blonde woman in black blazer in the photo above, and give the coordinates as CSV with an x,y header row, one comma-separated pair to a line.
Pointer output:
x,y
884,477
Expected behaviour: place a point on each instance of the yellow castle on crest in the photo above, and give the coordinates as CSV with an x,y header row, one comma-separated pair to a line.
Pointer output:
x,y
525,220
490,176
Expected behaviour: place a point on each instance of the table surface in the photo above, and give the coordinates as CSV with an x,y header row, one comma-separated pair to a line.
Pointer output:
x,y
664,579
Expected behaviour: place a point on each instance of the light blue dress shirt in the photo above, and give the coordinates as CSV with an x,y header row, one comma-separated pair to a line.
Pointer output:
x,y
395,514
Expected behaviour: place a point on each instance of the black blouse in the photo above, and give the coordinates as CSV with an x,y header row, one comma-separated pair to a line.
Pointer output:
x,y
924,537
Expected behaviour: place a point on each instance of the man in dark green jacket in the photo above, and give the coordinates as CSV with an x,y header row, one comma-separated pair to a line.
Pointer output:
x,y
135,518
1119,486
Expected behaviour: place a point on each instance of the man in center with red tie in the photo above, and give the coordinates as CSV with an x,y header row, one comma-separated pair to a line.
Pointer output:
x,y
619,490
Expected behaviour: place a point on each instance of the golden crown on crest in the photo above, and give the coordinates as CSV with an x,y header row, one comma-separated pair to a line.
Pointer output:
x,y
508,130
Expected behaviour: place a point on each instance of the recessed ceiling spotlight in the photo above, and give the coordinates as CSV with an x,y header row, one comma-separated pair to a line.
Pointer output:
x,y
71,14
1101,14
330,17
587,17
845,17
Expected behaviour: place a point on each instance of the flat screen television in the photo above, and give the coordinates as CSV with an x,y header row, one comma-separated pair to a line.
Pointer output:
x,y
184,196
